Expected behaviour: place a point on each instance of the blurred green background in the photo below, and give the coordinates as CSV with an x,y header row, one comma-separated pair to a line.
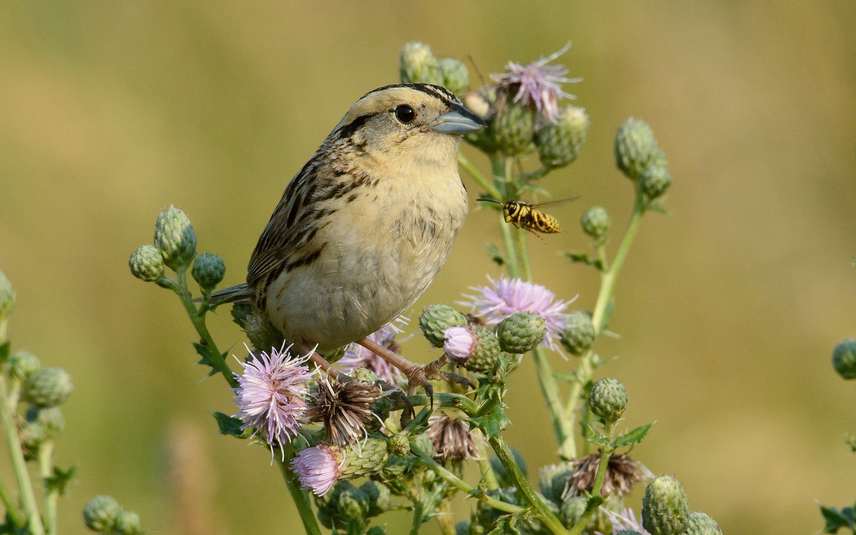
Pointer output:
x,y
728,308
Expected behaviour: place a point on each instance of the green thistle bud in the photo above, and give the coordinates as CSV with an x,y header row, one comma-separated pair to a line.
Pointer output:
x,y
626,532
422,445
435,319
378,496
352,506
553,478
844,359
486,355
32,435
128,523
208,270
364,458
559,143
175,237
376,530
702,524
656,179
635,148
456,77
7,297
595,223
608,399
48,387
664,507
521,332
101,513
23,364
572,510
364,375
146,263
578,334
513,128
399,444
50,419
417,64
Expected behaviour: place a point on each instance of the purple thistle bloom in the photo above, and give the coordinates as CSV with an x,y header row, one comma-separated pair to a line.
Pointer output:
x,y
624,520
460,343
504,297
271,395
356,356
317,468
538,83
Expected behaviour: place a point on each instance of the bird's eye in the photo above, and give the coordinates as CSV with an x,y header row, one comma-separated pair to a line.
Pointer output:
x,y
405,113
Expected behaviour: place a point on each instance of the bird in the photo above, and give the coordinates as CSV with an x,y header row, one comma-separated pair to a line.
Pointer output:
x,y
364,227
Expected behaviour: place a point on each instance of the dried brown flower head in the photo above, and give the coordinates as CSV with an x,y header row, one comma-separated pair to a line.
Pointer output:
x,y
451,437
621,474
344,406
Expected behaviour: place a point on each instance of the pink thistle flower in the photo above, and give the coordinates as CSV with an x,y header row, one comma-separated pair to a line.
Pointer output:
x,y
460,343
504,297
624,520
356,356
538,83
318,468
271,395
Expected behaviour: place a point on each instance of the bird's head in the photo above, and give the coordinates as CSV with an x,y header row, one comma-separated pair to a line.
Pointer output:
x,y
399,119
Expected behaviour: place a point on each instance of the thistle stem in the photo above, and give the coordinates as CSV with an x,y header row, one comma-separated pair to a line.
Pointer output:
x,y
300,497
476,175
11,508
486,470
540,508
19,465
51,494
463,486
445,519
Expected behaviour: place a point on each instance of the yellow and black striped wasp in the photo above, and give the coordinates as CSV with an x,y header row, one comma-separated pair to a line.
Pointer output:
x,y
528,216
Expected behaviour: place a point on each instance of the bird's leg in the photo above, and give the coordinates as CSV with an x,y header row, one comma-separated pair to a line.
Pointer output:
x,y
321,362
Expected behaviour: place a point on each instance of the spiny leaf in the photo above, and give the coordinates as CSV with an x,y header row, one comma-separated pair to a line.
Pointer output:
x,y
229,425
583,258
836,519
595,437
633,437
59,479
205,354
495,255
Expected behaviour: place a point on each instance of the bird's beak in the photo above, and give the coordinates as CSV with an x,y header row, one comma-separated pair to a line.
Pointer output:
x,y
458,122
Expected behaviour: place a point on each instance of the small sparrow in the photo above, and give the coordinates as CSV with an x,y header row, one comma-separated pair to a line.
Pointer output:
x,y
364,227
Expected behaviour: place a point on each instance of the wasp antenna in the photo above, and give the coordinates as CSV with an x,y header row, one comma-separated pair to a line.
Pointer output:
x,y
489,199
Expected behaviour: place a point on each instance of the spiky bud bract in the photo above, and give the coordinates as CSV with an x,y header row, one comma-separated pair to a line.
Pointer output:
x,y
513,127
655,179
485,356
128,523
844,359
434,321
635,148
146,263
521,332
595,223
208,270
417,64
572,509
100,513
608,399
664,507
175,237
559,143
456,77
7,297
578,334
23,364
51,419
48,387
378,495
702,524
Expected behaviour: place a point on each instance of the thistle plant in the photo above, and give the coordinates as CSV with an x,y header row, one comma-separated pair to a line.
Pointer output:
x,y
347,434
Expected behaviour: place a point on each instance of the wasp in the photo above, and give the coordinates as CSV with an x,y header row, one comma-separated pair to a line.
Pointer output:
x,y
528,216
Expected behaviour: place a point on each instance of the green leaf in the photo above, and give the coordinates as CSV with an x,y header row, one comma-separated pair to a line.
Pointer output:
x,y
229,425
205,354
583,258
495,255
633,437
491,418
59,479
836,519
570,377
593,436
4,352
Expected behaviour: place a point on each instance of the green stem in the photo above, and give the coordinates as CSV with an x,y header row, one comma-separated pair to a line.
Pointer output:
x,y
300,497
11,508
51,494
540,508
444,399
486,470
476,175
522,253
445,519
465,487
600,476
512,261
19,465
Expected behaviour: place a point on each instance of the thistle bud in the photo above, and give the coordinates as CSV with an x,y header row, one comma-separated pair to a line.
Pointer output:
x,y
456,77
208,270
418,65
351,506
146,263
485,356
51,420
31,435
553,478
378,496
608,399
7,297
578,334
399,444
664,507
635,147
23,364
844,359
656,179
595,223
376,530
422,445
48,387
559,143
128,523
101,513
513,128
364,458
175,237
572,510
521,332
460,344
702,524
435,319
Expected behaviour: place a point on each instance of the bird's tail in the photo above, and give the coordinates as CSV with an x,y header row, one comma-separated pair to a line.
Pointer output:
x,y
232,294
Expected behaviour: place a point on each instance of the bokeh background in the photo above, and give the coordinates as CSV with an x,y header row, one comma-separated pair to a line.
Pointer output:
x,y
728,307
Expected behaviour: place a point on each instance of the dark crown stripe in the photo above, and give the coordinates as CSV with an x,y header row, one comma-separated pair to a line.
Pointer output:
x,y
435,91
349,129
